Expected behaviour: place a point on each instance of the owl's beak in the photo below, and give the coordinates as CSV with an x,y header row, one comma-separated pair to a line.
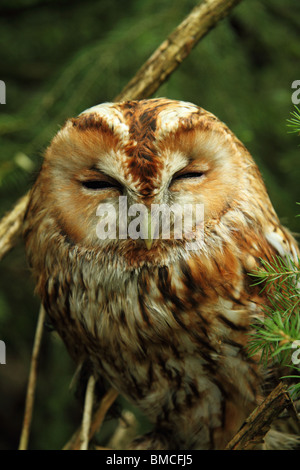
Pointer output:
x,y
148,241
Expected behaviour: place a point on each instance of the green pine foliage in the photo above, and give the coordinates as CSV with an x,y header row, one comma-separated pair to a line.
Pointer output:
x,y
276,336
294,122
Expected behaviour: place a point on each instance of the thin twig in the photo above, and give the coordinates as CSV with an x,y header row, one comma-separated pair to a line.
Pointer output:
x,y
100,414
32,382
11,225
87,414
258,424
148,79
96,422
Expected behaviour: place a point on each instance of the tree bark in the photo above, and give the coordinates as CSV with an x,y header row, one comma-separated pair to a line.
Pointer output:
x,y
11,225
169,55
257,425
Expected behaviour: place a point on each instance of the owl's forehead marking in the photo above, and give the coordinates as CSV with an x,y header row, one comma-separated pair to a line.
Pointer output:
x,y
111,116
170,118
139,127
155,118
142,121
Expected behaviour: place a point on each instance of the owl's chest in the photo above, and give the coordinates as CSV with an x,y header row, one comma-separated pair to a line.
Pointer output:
x,y
158,341
152,315
133,313
163,354
128,314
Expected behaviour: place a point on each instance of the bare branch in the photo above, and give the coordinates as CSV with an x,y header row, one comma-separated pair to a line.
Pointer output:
x,y
87,413
97,420
11,226
32,382
169,55
258,424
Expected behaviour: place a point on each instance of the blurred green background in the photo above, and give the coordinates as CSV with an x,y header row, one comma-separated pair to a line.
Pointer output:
x,y
59,57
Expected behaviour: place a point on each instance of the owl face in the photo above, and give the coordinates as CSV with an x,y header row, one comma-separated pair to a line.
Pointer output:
x,y
151,152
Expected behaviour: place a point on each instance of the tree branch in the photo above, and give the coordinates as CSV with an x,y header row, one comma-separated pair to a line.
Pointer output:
x,y
32,381
148,79
169,55
11,225
96,422
258,423
87,414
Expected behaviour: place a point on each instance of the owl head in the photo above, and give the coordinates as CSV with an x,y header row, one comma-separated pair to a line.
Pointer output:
x,y
108,168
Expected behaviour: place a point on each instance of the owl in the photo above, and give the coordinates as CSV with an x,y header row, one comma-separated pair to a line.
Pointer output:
x,y
164,319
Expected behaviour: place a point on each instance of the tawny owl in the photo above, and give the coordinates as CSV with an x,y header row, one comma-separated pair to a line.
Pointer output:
x,y
165,320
